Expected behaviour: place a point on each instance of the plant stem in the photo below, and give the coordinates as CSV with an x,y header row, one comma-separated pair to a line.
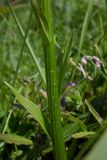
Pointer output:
x,y
42,8
52,89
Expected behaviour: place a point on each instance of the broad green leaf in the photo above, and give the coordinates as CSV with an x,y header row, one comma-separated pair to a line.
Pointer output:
x,y
33,109
75,119
78,121
83,134
15,139
70,129
94,113
99,151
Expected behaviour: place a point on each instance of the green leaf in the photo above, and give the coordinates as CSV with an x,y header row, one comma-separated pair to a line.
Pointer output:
x,y
83,134
85,25
94,113
78,121
64,65
27,44
15,139
33,109
41,19
75,119
99,151
70,129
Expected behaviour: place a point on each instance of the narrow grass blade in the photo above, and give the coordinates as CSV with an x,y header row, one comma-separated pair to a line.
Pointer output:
x,y
22,48
64,65
28,45
84,31
94,113
15,139
17,67
7,120
83,134
41,20
33,109
85,26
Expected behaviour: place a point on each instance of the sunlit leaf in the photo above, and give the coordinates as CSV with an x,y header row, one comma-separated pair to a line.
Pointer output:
x,y
83,134
15,139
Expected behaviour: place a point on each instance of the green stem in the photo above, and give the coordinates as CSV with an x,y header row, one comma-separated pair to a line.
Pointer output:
x,y
52,89
42,8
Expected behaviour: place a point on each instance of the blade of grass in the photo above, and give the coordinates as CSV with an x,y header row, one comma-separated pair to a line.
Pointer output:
x,y
52,81
16,72
83,134
23,46
15,139
33,109
7,121
84,30
65,63
94,113
28,44
42,22
85,26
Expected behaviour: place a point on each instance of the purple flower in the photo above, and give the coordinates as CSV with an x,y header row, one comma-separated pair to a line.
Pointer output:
x,y
71,84
95,59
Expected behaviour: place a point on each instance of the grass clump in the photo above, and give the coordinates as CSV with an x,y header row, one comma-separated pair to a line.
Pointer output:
x,y
54,62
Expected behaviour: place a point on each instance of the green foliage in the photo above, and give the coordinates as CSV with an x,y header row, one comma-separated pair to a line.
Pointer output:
x,y
12,138
32,109
59,98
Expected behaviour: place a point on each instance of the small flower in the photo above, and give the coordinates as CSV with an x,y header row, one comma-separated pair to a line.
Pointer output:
x,y
85,59
71,84
97,61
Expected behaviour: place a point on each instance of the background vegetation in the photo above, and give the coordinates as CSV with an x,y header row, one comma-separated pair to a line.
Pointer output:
x,y
84,90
